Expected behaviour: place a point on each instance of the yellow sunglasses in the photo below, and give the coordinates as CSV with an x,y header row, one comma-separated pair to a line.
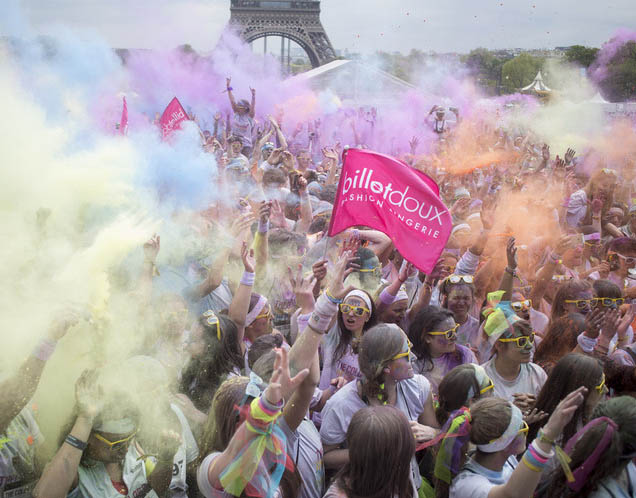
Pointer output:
x,y
113,445
212,320
267,314
406,354
521,305
488,387
450,334
357,310
601,387
522,341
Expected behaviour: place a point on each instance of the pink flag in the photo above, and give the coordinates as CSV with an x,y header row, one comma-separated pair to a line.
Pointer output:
x,y
123,124
383,193
172,117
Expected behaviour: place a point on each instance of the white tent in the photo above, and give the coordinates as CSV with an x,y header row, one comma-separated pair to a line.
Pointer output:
x,y
537,85
597,99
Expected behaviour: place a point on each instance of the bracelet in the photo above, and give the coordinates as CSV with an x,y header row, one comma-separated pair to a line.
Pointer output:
x,y
229,88
75,443
263,227
543,438
334,300
586,343
539,453
555,257
534,461
511,271
248,278
44,350
601,349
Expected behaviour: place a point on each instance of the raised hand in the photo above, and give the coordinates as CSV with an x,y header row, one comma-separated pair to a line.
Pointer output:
x,y
487,216
241,224
569,155
89,395
151,248
413,143
247,255
63,322
265,211
534,415
319,269
511,253
282,385
545,152
167,445
228,82
593,321
252,91
405,271
303,287
563,413
611,321
344,266
277,215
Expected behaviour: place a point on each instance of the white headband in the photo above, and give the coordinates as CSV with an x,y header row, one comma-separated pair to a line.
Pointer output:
x,y
360,295
121,426
481,376
256,310
461,226
516,421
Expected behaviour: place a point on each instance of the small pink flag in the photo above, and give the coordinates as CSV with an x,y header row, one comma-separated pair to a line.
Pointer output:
x,y
383,193
172,117
123,124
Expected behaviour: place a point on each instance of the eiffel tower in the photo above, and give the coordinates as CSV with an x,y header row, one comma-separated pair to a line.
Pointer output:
x,y
298,21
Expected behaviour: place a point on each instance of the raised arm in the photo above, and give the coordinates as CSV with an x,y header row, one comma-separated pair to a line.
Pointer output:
x,y
282,141
253,106
306,214
507,279
281,386
60,475
240,304
19,388
230,95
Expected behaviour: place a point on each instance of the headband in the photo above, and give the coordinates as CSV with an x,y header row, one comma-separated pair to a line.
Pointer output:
x,y
361,295
401,295
481,376
592,236
267,145
122,426
499,316
256,310
255,387
516,421
461,226
581,473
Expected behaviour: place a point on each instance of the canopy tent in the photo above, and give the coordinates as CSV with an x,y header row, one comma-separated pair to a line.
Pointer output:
x,y
537,86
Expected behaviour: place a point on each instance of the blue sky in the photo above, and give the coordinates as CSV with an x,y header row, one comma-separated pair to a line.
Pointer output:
x,y
358,25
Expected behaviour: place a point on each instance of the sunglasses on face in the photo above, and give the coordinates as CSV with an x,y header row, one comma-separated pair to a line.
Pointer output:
x,y
521,305
561,278
357,310
406,354
376,271
523,430
450,334
581,303
601,387
456,279
213,321
521,341
114,445
608,302
628,260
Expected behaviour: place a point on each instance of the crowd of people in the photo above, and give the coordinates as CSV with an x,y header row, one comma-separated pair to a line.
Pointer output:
x,y
287,363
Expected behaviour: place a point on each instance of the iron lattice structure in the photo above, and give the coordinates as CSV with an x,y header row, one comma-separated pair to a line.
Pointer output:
x,y
295,20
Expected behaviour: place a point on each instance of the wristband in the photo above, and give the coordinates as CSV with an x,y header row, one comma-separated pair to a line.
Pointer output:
x,y
229,88
539,452
44,350
543,438
601,349
248,278
75,443
586,343
332,299
511,271
386,297
263,227
555,257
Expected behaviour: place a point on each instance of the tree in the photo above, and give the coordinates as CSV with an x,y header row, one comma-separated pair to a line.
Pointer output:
x,y
620,83
520,71
580,55
486,68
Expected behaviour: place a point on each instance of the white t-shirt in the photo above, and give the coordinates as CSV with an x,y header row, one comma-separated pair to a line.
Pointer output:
x,y
618,487
17,455
530,380
304,447
187,453
475,481
94,481
412,396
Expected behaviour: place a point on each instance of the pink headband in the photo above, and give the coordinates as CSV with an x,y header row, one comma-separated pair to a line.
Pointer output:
x,y
592,236
256,310
582,471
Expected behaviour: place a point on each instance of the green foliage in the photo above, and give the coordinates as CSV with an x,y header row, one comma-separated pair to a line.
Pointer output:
x,y
620,83
520,71
580,55
485,67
